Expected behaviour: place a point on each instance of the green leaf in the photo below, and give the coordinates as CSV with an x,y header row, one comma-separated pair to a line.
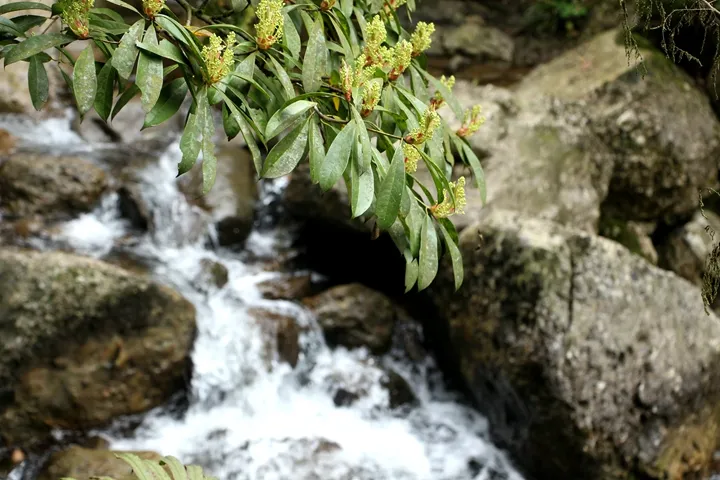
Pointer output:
x,y
120,3
26,22
366,159
411,273
105,90
315,60
171,98
285,156
291,37
38,83
428,266
317,150
108,13
286,117
125,97
337,157
17,6
177,469
418,86
124,57
283,77
477,170
34,45
209,164
391,190
362,190
194,472
455,256
244,69
247,133
149,73
191,140
239,5
230,125
164,49
9,27
85,80
107,26
137,465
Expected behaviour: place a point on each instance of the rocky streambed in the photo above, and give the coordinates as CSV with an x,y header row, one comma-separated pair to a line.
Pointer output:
x,y
260,333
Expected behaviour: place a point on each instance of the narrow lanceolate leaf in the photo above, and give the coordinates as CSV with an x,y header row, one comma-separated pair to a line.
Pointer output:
x,y
246,131
291,38
477,170
9,27
285,156
286,117
164,49
120,3
411,272
390,192
105,90
34,45
209,164
428,266
362,192
317,150
190,142
455,256
85,80
337,157
124,57
177,469
37,82
17,6
149,73
315,60
171,97
284,78
446,94
366,159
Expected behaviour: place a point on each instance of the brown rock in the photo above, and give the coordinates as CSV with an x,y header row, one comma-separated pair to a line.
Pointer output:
x,y
282,335
287,287
84,464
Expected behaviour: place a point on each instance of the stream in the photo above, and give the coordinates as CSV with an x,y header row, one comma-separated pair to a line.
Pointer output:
x,y
247,418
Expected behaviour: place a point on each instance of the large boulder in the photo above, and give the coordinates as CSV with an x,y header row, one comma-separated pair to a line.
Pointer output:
x,y
83,343
661,130
589,362
37,184
84,464
355,316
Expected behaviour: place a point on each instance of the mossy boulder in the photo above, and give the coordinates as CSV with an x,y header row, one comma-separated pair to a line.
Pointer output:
x,y
588,361
85,464
84,342
33,184
661,130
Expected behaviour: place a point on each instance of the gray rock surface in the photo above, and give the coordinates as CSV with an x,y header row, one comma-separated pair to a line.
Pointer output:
x,y
589,362
83,343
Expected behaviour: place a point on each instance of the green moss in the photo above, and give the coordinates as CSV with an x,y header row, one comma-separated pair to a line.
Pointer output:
x,y
619,231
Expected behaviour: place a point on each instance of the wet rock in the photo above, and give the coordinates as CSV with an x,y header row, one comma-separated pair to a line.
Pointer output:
x,y
345,398
685,249
15,95
7,144
281,336
84,464
90,342
355,316
659,161
399,391
37,184
213,275
133,208
588,361
232,200
287,287
635,236
233,231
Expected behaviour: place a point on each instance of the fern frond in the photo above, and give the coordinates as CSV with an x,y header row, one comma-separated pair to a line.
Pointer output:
x,y
144,469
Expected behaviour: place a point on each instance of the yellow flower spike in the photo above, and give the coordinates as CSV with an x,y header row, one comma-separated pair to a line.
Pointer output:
x,y
346,79
219,57
153,7
473,122
269,29
376,36
428,124
371,96
76,14
412,156
421,38
402,56
326,5
447,208
394,5
438,100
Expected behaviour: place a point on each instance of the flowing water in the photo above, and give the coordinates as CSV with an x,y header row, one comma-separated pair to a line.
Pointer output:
x,y
253,419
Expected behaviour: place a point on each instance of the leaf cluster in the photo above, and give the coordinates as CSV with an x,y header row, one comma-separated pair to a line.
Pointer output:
x,y
287,87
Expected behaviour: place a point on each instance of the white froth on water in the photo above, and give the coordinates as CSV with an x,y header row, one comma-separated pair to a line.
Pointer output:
x,y
254,418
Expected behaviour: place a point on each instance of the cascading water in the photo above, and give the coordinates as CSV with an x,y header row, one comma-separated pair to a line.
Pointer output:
x,y
254,418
